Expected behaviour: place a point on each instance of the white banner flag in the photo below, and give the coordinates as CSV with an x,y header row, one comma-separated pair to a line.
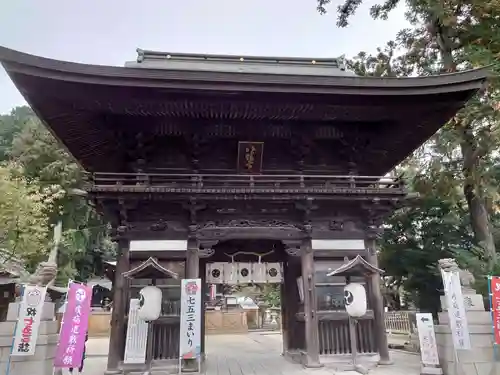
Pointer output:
x,y
456,310
190,329
28,323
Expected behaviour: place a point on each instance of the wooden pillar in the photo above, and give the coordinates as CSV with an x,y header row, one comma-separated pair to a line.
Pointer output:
x,y
204,287
192,259
120,292
377,305
310,315
284,309
204,250
292,340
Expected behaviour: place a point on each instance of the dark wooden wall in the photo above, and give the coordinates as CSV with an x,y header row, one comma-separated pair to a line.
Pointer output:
x,y
169,145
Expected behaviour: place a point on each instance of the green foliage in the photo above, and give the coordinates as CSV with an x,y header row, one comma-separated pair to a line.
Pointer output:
x,y
271,295
456,172
48,168
10,126
24,225
416,237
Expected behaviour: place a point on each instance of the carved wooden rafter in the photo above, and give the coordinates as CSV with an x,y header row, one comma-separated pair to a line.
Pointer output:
x,y
375,214
293,248
336,225
206,252
197,147
307,207
193,207
301,147
119,221
130,147
160,226
354,140
249,229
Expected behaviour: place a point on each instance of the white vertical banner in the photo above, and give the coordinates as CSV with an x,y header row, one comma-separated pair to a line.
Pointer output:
x,y
137,336
28,323
190,324
456,310
427,338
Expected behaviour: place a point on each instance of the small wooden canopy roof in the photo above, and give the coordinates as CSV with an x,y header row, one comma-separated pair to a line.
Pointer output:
x,y
356,267
150,269
88,106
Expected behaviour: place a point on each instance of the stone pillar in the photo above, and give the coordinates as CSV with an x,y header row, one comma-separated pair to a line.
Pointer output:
x,y
42,362
377,302
120,294
310,315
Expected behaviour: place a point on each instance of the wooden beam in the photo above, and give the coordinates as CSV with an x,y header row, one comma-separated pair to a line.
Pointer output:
x,y
377,306
310,315
117,336
192,260
285,321
204,290
292,340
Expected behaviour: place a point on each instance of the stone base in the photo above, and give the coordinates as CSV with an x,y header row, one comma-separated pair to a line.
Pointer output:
x,y
113,372
477,361
343,362
471,369
431,371
385,362
474,318
472,302
42,362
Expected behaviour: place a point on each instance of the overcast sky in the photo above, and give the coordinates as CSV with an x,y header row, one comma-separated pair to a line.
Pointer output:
x,y
108,31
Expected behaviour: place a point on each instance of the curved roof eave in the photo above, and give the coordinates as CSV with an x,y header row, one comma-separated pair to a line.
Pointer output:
x,y
16,62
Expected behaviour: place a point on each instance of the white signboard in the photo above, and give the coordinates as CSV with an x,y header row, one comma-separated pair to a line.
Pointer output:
x,y
137,336
28,323
427,338
190,329
456,310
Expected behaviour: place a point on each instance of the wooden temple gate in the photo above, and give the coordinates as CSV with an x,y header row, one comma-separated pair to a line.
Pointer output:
x,y
187,154
328,317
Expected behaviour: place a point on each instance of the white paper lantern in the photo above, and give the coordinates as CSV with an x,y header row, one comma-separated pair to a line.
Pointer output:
x,y
149,303
355,300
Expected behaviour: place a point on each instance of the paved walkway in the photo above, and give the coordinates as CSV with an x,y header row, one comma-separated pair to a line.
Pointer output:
x,y
252,354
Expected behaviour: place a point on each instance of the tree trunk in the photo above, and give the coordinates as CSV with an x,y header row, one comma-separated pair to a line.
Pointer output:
x,y
478,212
479,217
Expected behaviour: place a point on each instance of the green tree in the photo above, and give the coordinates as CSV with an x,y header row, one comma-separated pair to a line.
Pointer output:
x,y
43,161
416,237
24,225
271,295
447,36
10,126
460,163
